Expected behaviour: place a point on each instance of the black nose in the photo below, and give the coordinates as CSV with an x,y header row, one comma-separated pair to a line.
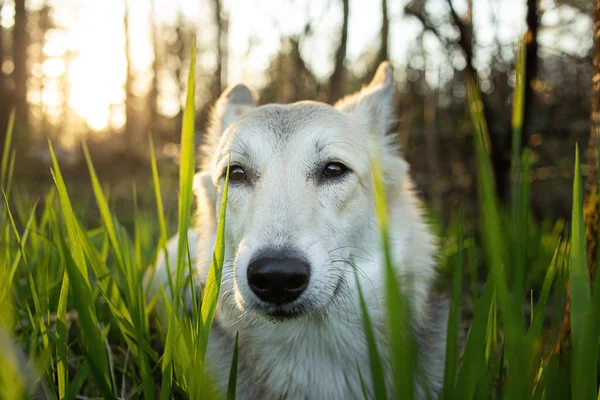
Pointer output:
x,y
278,280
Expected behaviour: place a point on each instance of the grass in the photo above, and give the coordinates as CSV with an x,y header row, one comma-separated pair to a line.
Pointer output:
x,y
71,294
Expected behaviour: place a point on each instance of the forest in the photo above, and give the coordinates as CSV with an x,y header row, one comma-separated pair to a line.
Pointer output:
x,y
498,111
39,67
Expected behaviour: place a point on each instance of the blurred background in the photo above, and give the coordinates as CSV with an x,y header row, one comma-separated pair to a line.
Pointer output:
x,y
113,73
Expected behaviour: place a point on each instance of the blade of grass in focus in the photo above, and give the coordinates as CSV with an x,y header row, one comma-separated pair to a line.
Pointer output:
x,y
375,363
452,336
520,178
231,386
398,305
583,361
93,344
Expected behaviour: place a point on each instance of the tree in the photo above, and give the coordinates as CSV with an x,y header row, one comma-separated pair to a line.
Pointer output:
x,y
1,59
531,63
500,144
591,203
3,104
336,80
222,23
129,112
156,65
20,43
384,33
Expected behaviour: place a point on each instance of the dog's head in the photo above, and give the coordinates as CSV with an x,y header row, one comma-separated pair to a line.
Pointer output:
x,y
299,207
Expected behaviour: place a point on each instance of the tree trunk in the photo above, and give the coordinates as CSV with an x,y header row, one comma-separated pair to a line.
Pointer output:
x,y
385,33
153,92
20,43
498,140
221,46
3,97
129,112
1,62
531,65
591,201
336,81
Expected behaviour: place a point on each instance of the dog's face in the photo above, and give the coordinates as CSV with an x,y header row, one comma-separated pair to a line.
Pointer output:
x,y
299,203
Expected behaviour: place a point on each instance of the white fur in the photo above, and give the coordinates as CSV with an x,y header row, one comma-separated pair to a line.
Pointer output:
x,y
281,147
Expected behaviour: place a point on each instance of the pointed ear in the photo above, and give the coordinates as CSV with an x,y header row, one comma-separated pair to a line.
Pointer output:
x,y
374,104
233,103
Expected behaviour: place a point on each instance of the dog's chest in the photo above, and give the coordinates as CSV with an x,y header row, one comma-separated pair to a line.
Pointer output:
x,y
303,363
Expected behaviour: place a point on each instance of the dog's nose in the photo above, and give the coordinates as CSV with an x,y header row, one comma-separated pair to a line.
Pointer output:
x,y
278,280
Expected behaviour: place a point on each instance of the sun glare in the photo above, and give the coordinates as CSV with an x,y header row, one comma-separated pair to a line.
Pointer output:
x,y
84,63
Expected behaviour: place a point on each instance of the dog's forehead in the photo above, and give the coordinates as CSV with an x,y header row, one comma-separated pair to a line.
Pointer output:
x,y
280,125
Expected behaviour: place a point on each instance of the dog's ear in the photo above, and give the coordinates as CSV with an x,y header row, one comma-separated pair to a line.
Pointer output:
x,y
374,104
233,103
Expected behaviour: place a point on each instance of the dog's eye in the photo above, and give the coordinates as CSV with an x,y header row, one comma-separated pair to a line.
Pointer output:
x,y
236,173
334,170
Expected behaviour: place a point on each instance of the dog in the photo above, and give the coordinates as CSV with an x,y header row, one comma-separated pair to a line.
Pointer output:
x,y
300,232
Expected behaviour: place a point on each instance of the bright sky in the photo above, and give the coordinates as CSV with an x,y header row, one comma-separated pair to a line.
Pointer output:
x,y
93,32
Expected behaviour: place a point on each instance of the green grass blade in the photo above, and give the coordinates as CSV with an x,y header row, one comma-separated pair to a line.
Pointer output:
x,y
402,341
93,345
363,387
583,367
452,337
61,339
537,322
157,192
161,216
518,109
186,178
213,281
471,371
494,243
74,257
69,216
187,168
6,150
232,384
107,218
517,134
377,372
497,256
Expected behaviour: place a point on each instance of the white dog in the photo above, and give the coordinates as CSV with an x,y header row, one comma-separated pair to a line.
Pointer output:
x,y
300,223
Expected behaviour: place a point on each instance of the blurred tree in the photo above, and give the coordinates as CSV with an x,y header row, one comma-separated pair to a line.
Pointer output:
x,y
129,107
384,33
20,71
591,206
290,79
156,67
531,64
44,24
336,81
3,95
499,137
221,44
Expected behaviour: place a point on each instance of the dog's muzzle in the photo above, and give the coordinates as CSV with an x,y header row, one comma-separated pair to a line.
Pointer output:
x,y
278,279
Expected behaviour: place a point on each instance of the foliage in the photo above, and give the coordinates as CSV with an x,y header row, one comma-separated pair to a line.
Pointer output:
x,y
72,295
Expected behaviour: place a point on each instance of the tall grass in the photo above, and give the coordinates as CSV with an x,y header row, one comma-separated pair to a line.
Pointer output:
x,y
72,295
505,355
